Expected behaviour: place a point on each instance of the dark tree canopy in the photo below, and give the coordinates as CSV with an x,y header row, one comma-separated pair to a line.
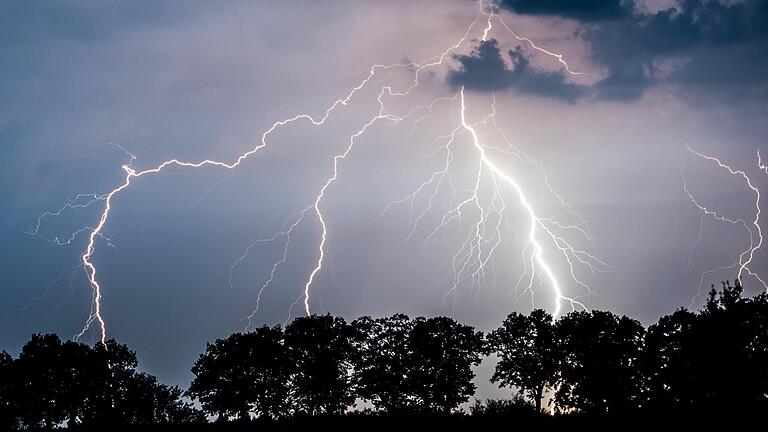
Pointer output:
x,y
686,365
321,350
244,373
443,353
529,356
54,382
600,369
40,372
383,362
7,401
712,360
665,363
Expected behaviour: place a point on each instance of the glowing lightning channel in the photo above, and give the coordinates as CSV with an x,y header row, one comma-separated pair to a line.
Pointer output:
x,y
746,257
558,57
95,315
336,160
535,222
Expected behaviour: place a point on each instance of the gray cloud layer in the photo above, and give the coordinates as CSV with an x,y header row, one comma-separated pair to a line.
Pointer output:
x,y
484,70
583,10
708,48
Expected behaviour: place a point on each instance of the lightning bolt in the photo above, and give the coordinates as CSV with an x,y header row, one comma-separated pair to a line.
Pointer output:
x,y
535,222
752,228
559,57
478,251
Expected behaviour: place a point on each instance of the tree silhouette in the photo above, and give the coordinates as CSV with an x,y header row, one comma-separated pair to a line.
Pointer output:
x,y
150,402
8,410
734,350
52,383
666,363
529,357
78,384
40,376
600,372
443,353
244,373
383,362
320,347
710,361
715,359
518,407
110,368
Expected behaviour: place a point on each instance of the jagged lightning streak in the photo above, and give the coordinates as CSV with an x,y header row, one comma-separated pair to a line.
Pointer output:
x,y
559,57
535,222
746,257
336,160
538,225
96,316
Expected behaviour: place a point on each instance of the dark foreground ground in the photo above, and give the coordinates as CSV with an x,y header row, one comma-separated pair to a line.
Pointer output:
x,y
647,421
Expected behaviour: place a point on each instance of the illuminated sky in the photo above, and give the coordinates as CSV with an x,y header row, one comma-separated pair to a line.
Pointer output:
x,y
195,81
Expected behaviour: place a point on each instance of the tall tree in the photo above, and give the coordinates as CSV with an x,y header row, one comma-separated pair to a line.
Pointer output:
x,y
321,350
712,360
443,353
8,411
244,373
110,368
600,372
529,357
729,350
78,383
40,382
670,379
383,362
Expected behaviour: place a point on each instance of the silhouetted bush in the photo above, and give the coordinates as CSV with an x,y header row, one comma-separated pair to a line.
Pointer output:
x,y
517,407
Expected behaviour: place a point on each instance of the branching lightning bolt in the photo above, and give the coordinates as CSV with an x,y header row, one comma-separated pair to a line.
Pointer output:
x,y
477,252
753,228
535,223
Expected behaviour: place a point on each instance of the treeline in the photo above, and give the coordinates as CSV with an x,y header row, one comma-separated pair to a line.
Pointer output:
x,y
584,363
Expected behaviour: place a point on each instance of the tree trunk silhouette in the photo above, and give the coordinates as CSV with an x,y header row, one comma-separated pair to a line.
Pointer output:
x,y
539,397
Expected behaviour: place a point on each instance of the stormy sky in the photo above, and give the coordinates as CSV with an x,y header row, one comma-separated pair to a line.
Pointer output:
x,y
197,80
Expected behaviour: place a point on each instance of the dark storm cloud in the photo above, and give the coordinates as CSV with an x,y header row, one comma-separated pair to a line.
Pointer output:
x,y
706,47
719,46
582,10
484,70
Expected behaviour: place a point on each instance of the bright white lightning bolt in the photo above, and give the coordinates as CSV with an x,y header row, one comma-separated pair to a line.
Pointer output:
x,y
745,258
539,227
535,222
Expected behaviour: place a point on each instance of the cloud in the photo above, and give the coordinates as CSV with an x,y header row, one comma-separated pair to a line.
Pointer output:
x,y
717,48
485,70
582,10
710,48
